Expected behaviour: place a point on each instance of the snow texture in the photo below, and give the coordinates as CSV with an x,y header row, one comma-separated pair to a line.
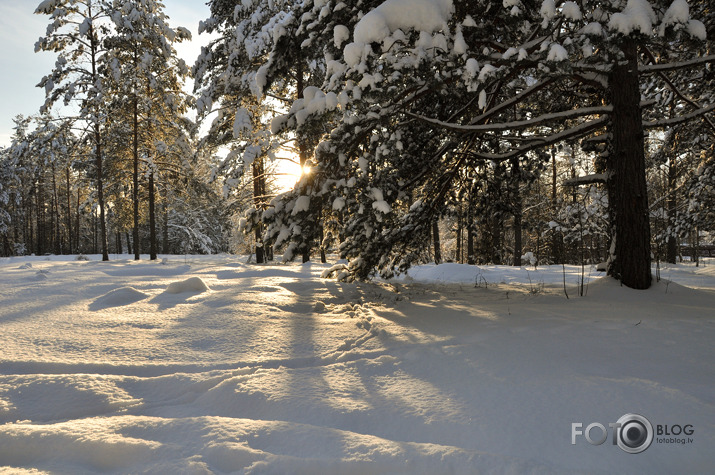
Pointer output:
x,y
192,284
449,369
393,16
637,16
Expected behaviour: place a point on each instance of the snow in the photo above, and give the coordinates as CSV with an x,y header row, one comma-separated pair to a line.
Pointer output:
x,y
193,284
557,53
396,16
301,204
242,123
697,30
637,16
571,11
341,34
450,369
391,15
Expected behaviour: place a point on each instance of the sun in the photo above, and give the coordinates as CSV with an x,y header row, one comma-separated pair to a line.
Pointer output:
x,y
288,172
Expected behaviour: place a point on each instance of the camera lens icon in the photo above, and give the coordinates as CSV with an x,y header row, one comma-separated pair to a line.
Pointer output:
x,y
634,433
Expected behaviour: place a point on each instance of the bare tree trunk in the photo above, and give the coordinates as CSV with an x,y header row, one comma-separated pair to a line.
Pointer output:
x,y
69,210
672,246
302,147
165,239
152,217
631,262
258,196
135,175
517,212
437,242
93,44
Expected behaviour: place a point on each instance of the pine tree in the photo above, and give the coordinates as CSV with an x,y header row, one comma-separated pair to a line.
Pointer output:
x,y
76,32
448,82
144,67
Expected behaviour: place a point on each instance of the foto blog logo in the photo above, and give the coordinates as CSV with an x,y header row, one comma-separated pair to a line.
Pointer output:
x,y
633,433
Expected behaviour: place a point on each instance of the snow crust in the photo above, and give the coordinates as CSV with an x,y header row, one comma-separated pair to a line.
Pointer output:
x,y
449,369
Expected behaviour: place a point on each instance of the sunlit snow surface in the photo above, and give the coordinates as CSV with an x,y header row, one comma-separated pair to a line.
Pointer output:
x,y
212,365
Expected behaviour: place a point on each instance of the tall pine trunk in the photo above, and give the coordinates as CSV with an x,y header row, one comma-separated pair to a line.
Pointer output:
x,y
135,173
93,43
672,246
517,210
437,242
631,260
152,217
69,210
258,197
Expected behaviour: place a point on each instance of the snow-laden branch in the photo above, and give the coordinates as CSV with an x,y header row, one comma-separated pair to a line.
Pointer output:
x,y
587,179
580,130
518,124
651,68
653,124
511,102
677,91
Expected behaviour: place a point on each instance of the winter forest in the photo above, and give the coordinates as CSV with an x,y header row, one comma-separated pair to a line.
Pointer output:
x,y
427,131
505,147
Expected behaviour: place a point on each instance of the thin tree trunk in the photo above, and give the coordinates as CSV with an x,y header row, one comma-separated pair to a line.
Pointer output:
x,y
459,234
135,174
672,246
165,237
69,210
98,142
632,260
152,217
437,243
57,218
258,194
516,181
302,147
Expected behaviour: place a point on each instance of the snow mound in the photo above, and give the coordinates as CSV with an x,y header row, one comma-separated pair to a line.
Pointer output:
x,y
118,298
193,284
27,265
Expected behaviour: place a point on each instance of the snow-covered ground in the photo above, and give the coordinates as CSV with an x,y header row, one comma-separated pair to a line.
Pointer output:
x,y
212,365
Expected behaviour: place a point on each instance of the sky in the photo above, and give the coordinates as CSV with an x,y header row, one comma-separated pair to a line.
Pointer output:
x,y
21,68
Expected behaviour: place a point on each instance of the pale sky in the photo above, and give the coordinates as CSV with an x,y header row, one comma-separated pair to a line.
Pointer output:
x,y
21,68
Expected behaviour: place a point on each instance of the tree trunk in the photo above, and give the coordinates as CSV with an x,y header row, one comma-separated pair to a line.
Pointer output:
x,y
458,256
69,210
56,219
165,237
152,217
258,196
135,176
437,243
302,147
557,247
471,258
631,262
672,246
517,211
94,46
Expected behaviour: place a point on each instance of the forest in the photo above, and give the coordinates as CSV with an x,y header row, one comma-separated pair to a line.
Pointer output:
x,y
514,132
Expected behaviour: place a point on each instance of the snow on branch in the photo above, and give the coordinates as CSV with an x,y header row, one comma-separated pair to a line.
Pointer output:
x,y
651,68
587,179
653,124
511,102
541,142
519,124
